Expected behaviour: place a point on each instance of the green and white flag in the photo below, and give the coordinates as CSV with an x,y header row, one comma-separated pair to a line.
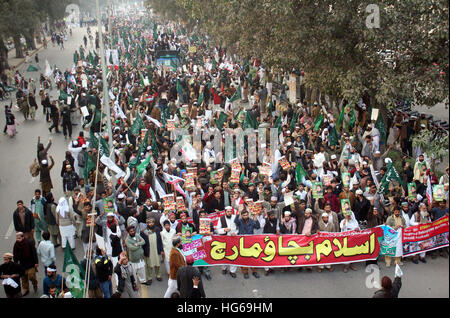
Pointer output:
x,y
74,273
236,95
300,172
391,174
137,125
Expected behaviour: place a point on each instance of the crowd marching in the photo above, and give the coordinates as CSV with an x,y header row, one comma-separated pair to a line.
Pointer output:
x,y
329,168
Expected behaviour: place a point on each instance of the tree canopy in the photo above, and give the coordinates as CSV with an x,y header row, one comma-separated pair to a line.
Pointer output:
x,y
330,42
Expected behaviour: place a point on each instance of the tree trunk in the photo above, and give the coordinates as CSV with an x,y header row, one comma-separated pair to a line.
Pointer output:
x,y
18,46
308,94
3,56
29,39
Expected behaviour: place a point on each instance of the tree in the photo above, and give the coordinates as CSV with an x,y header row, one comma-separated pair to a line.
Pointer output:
x,y
330,42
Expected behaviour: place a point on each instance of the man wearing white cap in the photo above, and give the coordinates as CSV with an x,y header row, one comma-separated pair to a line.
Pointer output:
x,y
349,223
325,226
226,226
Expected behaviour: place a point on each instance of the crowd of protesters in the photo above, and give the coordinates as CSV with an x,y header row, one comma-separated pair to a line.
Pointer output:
x,y
205,88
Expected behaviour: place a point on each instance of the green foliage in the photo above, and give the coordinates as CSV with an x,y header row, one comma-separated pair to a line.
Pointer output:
x,y
433,147
330,42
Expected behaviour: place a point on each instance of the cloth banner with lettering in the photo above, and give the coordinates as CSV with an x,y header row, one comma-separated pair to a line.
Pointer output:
x,y
289,250
425,237
391,242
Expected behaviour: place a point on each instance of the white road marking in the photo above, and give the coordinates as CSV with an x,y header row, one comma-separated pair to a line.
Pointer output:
x,y
10,230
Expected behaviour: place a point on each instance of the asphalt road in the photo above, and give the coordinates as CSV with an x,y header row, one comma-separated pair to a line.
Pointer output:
x,y
16,183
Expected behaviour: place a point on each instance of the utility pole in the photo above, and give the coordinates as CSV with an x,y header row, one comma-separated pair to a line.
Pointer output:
x,y
105,82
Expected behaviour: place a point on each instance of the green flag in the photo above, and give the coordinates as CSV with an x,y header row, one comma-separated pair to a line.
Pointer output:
x,y
104,147
90,58
155,31
179,88
63,95
93,141
293,121
74,273
250,121
89,164
97,116
138,124
391,174
270,108
333,137
201,97
379,124
236,95
143,165
75,57
155,148
300,173
141,149
318,122
340,119
352,120
142,79
278,124
223,117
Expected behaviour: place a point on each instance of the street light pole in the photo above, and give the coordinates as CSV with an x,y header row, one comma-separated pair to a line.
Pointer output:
x,y
105,82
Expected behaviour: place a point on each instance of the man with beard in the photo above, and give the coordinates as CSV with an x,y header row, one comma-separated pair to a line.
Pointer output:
x,y
271,226
247,226
53,278
167,235
135,243
215,204
127,277
10,273
275,206
324,225
420,167
153,248
176,260
307,225
185,277
23,220
37,208
184,226
361,206
25,255
332,217
227,226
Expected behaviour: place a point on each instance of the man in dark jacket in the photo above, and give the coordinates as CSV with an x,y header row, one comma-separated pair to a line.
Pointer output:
x,y
25,255
12,270
104,269
153,248
185,277
245,225
23,221
94,290
361,206
70,180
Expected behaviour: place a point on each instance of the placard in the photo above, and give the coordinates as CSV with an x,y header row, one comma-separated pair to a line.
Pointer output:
x,y
374,115
100,242
438,192
317,190
265,169
169,202
205,226
181,207
289,198
84,111
346,179
235,176
189,183
327,178
285,165
412,191
193,171
170,125
257,207
345,205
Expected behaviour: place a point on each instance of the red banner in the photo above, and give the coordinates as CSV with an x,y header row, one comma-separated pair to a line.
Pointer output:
x,y
425,237
287,250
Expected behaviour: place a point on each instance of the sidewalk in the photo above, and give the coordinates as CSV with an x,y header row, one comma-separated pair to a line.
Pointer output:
x,y
15,63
